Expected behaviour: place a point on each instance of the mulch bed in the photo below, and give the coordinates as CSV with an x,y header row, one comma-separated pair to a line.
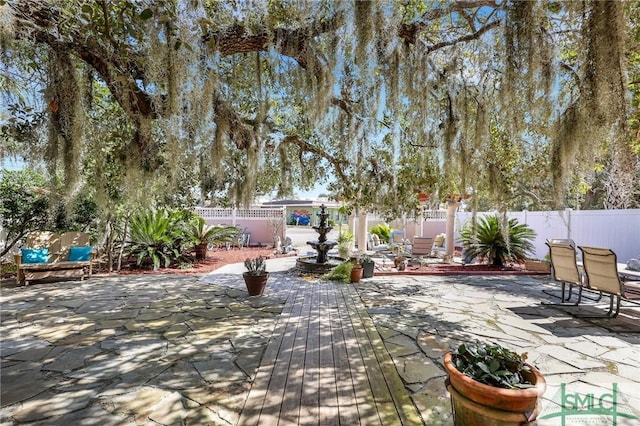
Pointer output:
x,y
215,259
456,269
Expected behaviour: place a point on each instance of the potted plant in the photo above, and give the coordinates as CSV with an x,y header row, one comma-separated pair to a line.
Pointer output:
x,y
400,262
490,384
345,239
256,276
368,266
202,235
356,269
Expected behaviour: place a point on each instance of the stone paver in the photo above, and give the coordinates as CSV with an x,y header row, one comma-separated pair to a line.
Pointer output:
x,y
588,356
184,350
131,350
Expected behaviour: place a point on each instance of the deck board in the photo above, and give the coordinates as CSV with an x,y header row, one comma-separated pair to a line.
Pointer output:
x,y
326,365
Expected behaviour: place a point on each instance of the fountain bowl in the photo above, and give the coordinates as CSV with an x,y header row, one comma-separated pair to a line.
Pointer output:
x,y
310,265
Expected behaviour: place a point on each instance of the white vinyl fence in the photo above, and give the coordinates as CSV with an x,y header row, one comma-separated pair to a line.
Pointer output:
x,y
618,230
263,225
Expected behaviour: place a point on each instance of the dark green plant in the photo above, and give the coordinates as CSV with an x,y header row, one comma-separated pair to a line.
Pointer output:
x,y
492,365
383,231
489,241
156,235
199,232
77,214
345,237
342,272
24,205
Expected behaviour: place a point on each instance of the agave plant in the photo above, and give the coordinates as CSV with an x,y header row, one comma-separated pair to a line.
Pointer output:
x,y
489,240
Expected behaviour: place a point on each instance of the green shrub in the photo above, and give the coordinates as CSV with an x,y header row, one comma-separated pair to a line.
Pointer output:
x,y
345,237
489,241
342,272
24,205
157,235
383,231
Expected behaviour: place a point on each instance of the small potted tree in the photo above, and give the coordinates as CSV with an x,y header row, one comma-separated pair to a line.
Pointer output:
x,y
491,385
256,275
202,235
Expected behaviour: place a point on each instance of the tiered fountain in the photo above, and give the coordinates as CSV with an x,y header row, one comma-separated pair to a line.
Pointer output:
x,y
322,262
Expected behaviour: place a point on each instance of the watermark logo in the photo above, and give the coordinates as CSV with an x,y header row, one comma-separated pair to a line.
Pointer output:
x,y
608,407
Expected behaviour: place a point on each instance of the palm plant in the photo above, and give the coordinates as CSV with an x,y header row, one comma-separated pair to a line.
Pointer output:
x,y
201,234
489,242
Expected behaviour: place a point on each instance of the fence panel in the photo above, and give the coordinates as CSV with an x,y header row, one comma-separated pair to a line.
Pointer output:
x,y
618,230
263,224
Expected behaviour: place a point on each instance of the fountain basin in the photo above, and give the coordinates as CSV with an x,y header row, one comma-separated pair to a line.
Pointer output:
x,y
309,264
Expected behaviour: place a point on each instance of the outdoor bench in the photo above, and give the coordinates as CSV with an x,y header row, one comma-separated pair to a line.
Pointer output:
x,y
48,254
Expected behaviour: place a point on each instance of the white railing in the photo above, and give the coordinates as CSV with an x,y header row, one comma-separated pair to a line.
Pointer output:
x,y
213,213
222,213
426,215
264,225
434,214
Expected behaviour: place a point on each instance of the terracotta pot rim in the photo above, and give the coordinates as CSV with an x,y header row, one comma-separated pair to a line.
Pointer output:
x,y
538,390
249,274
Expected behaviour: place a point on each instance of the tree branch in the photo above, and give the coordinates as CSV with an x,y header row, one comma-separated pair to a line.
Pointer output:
x,y
409,32
463,39
289,42
337,164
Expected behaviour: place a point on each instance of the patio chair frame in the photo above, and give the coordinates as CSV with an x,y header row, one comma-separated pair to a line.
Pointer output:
x,y
601,274
564,268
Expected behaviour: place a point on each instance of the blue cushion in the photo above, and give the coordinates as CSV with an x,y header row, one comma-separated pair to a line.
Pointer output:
x,y
79,253
30,255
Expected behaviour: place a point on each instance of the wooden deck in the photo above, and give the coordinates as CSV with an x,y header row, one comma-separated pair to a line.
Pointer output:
x,y
326,365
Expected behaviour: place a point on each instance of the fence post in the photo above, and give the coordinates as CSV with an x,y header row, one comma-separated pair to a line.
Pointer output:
x,y
568,215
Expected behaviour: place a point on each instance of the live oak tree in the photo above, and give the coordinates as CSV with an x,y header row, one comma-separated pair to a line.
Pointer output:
x,y
390,98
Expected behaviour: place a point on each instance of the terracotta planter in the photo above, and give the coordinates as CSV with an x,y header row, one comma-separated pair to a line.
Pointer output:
x,y
537,266
255,283
473,402
356,274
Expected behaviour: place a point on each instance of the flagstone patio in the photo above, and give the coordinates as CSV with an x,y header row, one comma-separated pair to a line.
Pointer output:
x,y
184,349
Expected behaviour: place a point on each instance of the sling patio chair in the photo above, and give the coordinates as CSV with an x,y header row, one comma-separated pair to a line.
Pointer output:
x,y
600,266
422,246
374,243
564,268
